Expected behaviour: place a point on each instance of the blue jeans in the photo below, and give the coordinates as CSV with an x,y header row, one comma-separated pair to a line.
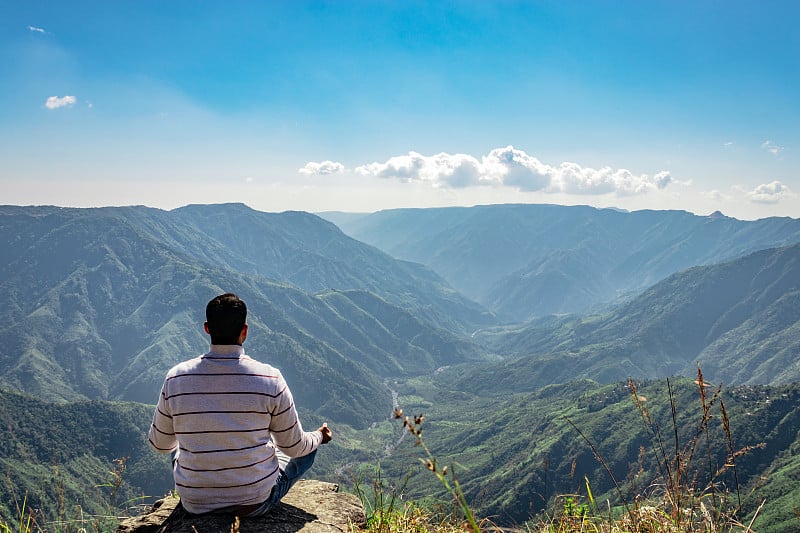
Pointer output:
x,y
290,472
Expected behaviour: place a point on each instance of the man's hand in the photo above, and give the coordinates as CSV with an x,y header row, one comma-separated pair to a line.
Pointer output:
x,y
327,434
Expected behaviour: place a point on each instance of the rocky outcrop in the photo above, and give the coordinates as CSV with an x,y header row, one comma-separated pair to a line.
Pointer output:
x,y
310,507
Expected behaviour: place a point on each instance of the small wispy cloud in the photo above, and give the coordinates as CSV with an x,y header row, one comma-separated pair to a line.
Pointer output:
x,y
716,195
322,168
727,144
510,167
36,30
771,147
54,102
769,193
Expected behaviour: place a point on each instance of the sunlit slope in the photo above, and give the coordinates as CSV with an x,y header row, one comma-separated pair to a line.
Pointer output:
x,y
101,302
523,261
738,319
514,454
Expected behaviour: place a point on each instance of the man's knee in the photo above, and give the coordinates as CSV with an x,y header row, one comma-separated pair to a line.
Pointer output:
x,y
298,465
306,461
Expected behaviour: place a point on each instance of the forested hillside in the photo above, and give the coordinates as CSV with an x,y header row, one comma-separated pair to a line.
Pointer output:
x,y
514,454
100,303
55,457
740,320
523,261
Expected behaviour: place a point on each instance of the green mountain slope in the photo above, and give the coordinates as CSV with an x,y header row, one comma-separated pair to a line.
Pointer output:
x,y
98,307
293,247
738,319
513,455
313,254
530,260
58,456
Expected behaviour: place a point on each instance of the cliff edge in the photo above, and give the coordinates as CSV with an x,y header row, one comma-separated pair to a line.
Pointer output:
x,y
310,507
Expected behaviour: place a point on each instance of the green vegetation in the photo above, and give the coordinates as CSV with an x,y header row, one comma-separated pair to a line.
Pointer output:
x,y
62,465
100,303
518,462
515,456
687,475
740,320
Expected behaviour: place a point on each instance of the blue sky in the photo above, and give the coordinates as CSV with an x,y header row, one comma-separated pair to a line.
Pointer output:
x,y
361,106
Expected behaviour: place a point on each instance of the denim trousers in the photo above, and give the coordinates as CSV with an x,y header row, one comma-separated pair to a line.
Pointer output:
x,y
290,471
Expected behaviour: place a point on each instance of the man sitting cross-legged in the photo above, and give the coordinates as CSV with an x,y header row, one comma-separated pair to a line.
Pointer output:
x,y
231,423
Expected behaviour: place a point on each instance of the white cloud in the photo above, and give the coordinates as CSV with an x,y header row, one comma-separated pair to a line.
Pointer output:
x,y
457,171
441,170
510,167
325,167
54,102
769,193
35,29
662,179
515,168
771,147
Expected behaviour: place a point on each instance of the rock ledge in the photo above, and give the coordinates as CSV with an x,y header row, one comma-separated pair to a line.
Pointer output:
x,y
310,507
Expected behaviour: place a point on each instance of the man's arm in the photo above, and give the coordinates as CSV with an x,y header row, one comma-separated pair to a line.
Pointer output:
x,y
287,431
162,433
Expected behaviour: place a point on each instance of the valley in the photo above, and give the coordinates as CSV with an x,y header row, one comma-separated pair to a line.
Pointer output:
x,y
507,326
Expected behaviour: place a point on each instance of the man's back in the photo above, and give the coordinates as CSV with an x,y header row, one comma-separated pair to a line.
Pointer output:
x,y
225,410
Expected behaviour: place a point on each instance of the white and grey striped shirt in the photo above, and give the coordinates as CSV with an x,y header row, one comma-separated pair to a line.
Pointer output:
x,y
223,410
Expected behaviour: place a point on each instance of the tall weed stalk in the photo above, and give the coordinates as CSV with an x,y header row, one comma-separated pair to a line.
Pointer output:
x,y
414,426
382,503
687,506
677,468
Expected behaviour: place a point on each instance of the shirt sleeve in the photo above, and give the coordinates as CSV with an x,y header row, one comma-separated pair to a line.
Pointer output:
x,y
286,429
162,433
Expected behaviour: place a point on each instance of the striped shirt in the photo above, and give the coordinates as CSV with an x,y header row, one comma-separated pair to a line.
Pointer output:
x,y
225,413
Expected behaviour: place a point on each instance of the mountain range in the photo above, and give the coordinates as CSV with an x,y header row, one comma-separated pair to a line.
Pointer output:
x,y
523,261
100,303
498,321
739,320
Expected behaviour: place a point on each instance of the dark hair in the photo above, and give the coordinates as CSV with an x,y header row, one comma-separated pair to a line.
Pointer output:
x,y
226,316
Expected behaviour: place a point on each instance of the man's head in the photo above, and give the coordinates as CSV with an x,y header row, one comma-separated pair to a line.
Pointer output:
x,y
226,319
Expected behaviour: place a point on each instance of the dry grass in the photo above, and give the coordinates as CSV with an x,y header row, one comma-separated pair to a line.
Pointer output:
x,y
674,504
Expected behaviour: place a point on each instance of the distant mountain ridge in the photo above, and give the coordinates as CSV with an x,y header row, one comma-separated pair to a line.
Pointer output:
x,y
101,302
523,261
739,320
294,247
